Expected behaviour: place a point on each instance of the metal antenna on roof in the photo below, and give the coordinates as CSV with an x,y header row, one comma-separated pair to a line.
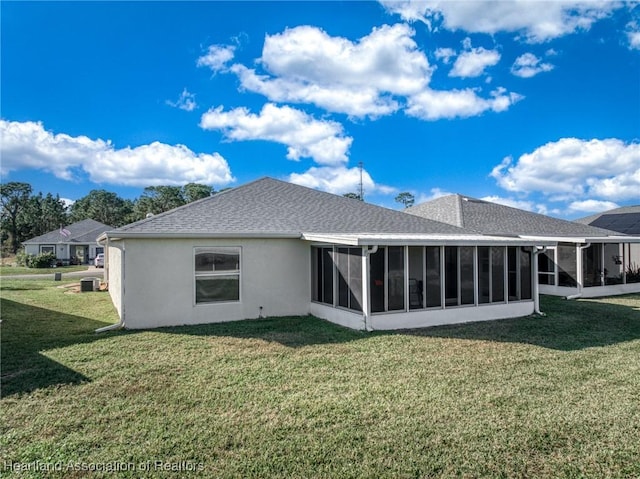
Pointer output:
x,y
360,165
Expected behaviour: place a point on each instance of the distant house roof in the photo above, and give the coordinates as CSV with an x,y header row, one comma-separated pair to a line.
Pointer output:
x,y
269,207
625,220
492,218
82,232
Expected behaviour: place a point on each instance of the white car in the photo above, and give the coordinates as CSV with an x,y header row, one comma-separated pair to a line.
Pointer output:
x,y
99,261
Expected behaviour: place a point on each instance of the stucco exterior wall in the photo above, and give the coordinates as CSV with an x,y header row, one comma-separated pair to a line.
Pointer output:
x,y
342,317
113,266
436,317
159,281
32,249
591,292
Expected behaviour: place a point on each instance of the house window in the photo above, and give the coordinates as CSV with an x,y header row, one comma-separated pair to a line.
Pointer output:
x,y
217,274
47,249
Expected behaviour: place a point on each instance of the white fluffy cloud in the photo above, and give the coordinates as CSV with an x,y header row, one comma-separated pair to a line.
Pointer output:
x,y
473,61
359,78
376,75
27,145
217,57
338,180
304,136
591,206
434,105
537,21
528,65
186,101
512,202
571,168
633,35
445,54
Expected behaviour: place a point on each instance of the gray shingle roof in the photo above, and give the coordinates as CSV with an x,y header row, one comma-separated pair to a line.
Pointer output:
x,y
85,232
491,218
624,220
269,206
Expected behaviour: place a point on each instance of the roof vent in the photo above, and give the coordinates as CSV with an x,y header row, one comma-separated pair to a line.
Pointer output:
x,y
149,215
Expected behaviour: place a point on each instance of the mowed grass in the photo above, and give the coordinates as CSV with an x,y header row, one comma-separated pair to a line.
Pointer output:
x,y
554,396
17,270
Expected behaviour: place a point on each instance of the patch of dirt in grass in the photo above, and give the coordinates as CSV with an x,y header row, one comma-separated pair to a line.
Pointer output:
x,y
71,288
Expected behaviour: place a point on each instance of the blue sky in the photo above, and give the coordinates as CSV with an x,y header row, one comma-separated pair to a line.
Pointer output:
x,y
532,104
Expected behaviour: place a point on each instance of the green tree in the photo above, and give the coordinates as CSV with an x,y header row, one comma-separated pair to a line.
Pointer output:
x,y
103,206
41,215
406,198
196,191
14,197
158,199
354,196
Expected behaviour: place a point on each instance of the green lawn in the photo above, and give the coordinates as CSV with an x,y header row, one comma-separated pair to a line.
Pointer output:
x,y
15,270
557,396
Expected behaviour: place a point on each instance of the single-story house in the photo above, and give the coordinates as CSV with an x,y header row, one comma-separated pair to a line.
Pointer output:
x,y
271,248
584,260
75,243
623,220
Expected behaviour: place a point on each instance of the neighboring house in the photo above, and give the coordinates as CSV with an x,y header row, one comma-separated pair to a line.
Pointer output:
x,y
623,220
271,248
72,244
584,260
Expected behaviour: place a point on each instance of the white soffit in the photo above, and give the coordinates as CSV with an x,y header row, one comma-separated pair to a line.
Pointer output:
x,y
371,239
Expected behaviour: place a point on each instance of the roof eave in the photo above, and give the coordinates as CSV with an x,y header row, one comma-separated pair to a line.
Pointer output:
x,y
116,235
586,239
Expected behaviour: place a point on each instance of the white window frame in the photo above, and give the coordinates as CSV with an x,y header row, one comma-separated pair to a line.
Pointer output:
x,y
217,274
48,246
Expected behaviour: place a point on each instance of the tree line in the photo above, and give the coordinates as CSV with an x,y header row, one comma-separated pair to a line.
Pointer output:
x,y
26,214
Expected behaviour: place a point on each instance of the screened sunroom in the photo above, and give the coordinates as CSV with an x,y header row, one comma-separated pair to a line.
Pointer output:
x,y
590,268
395,286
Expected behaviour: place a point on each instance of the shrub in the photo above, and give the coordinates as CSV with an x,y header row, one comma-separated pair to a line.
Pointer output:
x,y
22,258
633,273
42,260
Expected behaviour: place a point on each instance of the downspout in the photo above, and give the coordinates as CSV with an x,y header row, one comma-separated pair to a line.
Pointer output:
x,y
366,289
536,285
120,323
580,271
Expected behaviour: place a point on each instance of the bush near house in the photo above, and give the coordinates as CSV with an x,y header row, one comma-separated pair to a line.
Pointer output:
x,y
42,260
543,397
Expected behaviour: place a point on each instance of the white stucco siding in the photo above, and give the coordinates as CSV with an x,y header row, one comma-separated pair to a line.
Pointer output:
x,y
436,317
114,274
160,281
342,317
